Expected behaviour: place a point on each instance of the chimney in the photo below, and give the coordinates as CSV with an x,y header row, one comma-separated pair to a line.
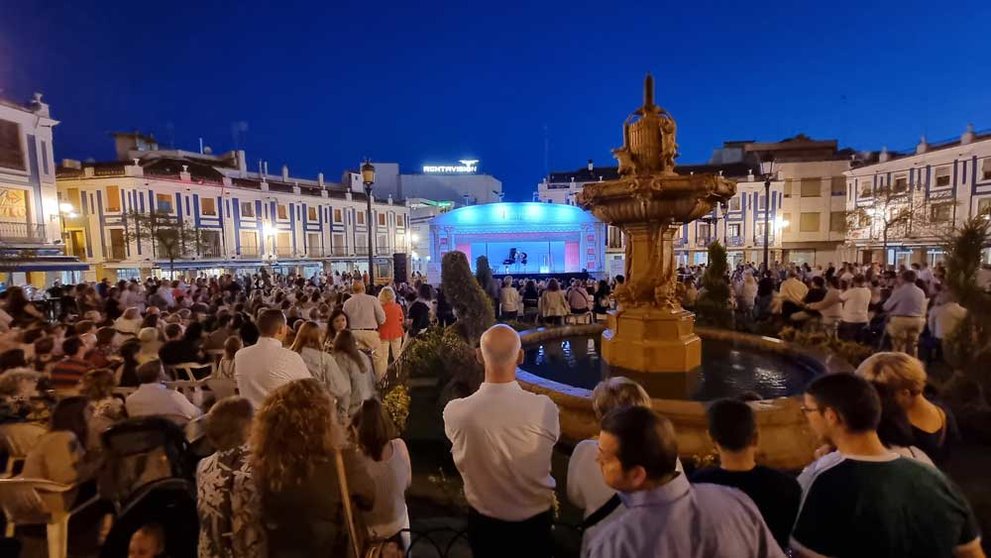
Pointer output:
x,y
266,168
883,156
968,135
591,166
242,161
320,180
285,173
923,145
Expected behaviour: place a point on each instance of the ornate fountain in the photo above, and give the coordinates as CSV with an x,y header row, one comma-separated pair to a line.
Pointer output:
x,y
650,331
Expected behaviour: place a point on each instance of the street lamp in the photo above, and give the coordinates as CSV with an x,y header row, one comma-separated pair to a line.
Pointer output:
x,y
767,169
368,178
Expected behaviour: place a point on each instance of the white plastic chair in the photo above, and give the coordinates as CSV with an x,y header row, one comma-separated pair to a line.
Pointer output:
x,y
17,439
186,380
41,502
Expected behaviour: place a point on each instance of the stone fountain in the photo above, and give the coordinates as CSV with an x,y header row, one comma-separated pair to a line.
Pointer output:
x,y
650,331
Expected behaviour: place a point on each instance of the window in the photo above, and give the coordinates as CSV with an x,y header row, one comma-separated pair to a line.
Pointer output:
x,y
117,245
943,176
400,221
283,243
247,209
208,206
337,244
381,219
210,243
942,212
249,243
338,215
866,189
113,199
761,202
986,169
282,212
703,232
311,213
837,221
44,157
837,186
381,244
786,222
759,232
313,247
787,188
809,222
733,230
163,203
901,184
360,218
614,237
74,199
811,187
734,203
11,151
361,243
984,206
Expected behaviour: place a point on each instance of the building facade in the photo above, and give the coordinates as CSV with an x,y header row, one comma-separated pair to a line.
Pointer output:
x,y
461,184
30,217
245,220
903,204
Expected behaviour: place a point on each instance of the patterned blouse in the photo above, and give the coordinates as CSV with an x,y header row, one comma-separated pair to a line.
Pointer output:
x,y
228,506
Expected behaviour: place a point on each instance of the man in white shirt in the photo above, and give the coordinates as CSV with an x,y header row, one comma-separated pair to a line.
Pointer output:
x,y
365,315
261,368
153,398
944,318
856,303
503,438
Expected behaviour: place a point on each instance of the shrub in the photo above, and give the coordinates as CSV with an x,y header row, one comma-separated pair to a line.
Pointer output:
x,y
471,305
713,304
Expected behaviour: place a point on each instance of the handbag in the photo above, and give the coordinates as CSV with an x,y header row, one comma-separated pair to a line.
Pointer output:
x,y
362,544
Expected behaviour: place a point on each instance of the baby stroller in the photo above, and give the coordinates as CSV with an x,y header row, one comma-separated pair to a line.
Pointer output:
x,y
149,478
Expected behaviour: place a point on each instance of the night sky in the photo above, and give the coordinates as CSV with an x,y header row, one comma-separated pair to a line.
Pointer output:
x,y
319,85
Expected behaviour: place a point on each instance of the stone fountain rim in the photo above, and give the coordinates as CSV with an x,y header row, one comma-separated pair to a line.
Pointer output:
x,y
831,364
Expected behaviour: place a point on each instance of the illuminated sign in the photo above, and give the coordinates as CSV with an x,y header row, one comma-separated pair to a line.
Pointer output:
x,y
467,166
13,204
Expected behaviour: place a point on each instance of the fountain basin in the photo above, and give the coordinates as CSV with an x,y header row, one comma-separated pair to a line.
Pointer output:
x,y
786,441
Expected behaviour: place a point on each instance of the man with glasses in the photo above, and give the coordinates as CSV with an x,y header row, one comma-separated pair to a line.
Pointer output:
x,y
865,500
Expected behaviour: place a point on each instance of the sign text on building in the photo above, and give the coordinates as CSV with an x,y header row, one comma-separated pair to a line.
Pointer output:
x,y
467,166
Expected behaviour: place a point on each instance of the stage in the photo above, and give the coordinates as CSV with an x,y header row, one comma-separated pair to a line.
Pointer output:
x,y
527,239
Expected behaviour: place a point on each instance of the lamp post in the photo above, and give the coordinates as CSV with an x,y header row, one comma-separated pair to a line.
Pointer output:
x,y
767,168
368,178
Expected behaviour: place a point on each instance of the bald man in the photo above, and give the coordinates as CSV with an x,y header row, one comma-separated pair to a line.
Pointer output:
x,y
502,441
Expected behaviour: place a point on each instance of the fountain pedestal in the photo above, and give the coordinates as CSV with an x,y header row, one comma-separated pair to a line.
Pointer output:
x,y
652,339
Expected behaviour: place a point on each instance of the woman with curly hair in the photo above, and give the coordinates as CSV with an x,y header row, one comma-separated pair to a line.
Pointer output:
x,y
293,447
98,386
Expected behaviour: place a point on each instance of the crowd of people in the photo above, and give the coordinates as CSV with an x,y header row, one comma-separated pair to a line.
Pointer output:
x,y
298,437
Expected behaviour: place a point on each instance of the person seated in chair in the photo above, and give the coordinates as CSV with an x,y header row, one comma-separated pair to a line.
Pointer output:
x,y
154,398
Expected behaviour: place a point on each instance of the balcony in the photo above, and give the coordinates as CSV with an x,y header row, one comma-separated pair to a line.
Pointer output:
x,y
22,232
337,251
249,252
361,250
734,241
314,252
703,242
383,249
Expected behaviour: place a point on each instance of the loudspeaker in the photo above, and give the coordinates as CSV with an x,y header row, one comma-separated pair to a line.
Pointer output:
x,y
400,268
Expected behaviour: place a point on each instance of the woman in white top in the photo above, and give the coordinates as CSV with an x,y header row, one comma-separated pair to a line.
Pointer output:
x,y
386,460
509,299
586,488
323,367
552,305
746,293
357,366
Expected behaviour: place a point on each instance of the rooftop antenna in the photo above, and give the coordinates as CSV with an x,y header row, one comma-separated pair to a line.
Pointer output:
x,y
547,150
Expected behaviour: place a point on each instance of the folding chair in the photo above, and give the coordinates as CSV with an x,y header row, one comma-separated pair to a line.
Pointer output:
x,y
17,439
189,378
41,502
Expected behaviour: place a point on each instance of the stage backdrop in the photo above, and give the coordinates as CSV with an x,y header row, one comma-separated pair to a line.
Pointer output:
x,y
556,238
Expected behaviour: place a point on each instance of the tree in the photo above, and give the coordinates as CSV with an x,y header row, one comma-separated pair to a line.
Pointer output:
x,y
898,212
713,304
170,239
471,305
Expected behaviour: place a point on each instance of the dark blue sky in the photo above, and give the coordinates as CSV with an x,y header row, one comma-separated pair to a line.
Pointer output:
x,y
321,84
